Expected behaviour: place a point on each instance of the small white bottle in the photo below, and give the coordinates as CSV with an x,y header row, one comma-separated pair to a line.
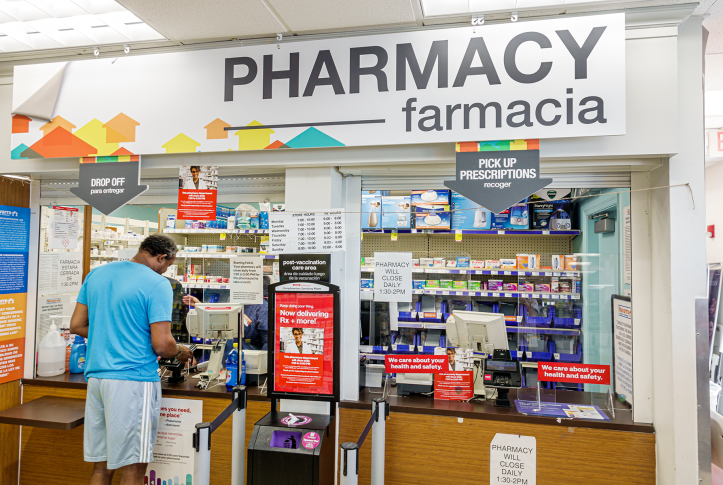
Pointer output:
x,y
51,352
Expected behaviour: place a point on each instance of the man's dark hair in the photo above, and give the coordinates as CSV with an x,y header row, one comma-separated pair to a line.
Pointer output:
x,y
452,349
301,330
196,167
157,244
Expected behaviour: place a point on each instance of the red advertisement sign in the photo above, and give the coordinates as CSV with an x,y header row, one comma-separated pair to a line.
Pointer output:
x,y
454,386
415,364
577,373
304,355
197,205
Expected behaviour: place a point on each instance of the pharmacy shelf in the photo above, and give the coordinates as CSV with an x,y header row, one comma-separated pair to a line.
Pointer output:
x,y
472,232
183,254
494,272
491,294
542,330
215,231
104,257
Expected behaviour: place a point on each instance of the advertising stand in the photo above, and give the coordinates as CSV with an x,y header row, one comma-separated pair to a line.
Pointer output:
x,y
303,363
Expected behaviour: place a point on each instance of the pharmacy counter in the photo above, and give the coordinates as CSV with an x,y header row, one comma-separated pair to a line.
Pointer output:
x,y
427,441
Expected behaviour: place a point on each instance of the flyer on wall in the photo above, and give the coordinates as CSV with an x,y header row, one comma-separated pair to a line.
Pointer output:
x,y
197,192
304,354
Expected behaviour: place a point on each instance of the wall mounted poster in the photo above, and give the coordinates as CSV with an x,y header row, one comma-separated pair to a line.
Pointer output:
x,y
623,347
64,228
14,244
197,192
173,456
554,78
304,343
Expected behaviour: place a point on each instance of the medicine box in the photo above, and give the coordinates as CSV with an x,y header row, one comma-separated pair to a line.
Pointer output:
x,y
459,285
430,197
516,217
463,262
396,212
445,284
549,211
469,215
432,284
474,285
495,285
508,263
432,217
367,283
371,211
418,284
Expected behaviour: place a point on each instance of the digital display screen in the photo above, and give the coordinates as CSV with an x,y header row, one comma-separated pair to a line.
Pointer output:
x,y
304,343
502,365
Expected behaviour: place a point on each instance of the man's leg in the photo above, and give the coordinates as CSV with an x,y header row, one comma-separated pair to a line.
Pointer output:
x,y
101,474
133,474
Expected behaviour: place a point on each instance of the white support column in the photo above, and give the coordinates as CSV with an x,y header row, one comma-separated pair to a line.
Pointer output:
x,y
677,223
32,294
642,299
350,298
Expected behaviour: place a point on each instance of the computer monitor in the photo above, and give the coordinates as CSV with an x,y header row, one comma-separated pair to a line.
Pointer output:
x,y
216,320
481,332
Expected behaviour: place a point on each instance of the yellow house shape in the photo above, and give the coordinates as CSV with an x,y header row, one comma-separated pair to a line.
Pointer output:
x,y
257,139
181,144
94,134
518,144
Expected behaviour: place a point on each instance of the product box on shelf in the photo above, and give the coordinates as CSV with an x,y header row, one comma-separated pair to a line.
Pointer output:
x,y
418,284
432,284
474,285
526,287
451,263
558,262
445,284
463,262
542,287
426,262
367,283
430,197
432,217
371,211
508,263
509,286
492,264
549,211
396,212
571,263
477,264
459,285
439,262
495,285
516,217
469,215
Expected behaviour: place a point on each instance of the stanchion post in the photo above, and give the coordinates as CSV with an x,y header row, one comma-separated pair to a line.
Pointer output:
x,y
349,464
238,437
378,440
202,443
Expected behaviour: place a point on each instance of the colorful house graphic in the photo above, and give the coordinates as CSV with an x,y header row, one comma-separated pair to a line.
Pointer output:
x,y
17,152
275,145
313,138
122,151
94,133
21,124
257,139
181,144
58,121
215,130
122,128
59,143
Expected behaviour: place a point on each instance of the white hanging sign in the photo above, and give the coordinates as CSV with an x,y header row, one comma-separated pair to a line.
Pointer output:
x,y
247,280
393,277
623,347
513,460
307,232
59,273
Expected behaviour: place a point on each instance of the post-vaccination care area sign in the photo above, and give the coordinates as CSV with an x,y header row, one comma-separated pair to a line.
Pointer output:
x,y
539,79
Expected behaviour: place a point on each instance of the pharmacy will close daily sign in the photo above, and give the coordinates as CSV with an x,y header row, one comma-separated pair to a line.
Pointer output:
x,y
551,78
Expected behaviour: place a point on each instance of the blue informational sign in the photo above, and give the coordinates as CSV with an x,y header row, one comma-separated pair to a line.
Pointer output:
x,y
561,410
14,246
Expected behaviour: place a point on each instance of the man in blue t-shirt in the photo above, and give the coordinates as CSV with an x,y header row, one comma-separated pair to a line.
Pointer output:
x,y
124,309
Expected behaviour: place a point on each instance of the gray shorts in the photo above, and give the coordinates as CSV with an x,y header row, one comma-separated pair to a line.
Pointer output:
x,y
121,420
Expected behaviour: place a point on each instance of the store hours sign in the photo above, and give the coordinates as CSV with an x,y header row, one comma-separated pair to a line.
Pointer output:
x,y
552,78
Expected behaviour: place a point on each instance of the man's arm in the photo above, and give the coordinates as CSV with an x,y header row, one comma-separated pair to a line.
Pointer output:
x,y
164,344
79,321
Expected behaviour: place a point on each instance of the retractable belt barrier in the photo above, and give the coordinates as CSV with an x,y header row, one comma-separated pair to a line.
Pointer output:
x,y
202,440
350,451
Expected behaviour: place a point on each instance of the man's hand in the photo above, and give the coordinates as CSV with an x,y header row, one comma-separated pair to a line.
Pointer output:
x,y
191,300
186,353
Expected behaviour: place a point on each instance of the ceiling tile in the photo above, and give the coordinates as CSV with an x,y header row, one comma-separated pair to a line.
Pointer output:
x,y
192,20
342,14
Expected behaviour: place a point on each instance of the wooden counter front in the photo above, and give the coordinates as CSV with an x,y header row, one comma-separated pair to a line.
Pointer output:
x,y
425,447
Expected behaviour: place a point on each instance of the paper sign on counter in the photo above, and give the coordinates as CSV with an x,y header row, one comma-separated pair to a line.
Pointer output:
x,y
513,460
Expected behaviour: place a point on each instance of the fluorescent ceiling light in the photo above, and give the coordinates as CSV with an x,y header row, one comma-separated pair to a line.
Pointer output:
x,y
50,24
442,8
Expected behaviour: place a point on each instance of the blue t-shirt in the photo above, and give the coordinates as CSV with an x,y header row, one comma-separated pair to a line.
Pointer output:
x,y
124,299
